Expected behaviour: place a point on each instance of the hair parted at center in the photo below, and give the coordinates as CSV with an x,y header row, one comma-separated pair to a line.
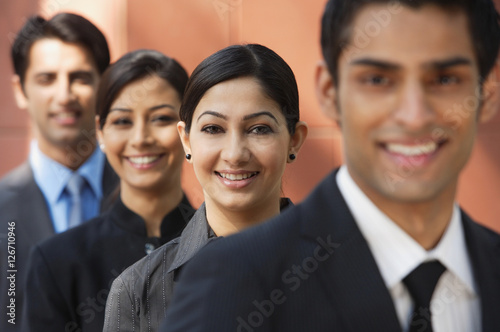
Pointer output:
x,y
132,67
252,60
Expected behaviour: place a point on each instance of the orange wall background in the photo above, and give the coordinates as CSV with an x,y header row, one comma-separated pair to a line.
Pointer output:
x,y
189,31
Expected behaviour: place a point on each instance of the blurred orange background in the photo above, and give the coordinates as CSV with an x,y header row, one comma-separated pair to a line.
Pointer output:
x,y
191,30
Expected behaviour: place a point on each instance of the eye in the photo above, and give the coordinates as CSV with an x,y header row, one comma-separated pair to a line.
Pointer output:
x,y
376,80
261,130
121,122
82,78
446,80
45,79
163,119
212,129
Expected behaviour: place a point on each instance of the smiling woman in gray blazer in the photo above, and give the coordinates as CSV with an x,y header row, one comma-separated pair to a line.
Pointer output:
x,y
240,127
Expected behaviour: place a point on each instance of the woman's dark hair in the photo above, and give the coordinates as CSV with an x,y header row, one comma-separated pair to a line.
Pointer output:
x,y
67,27
338,17
252,60
133,66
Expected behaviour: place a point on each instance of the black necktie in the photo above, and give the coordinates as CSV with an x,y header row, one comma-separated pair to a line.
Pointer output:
x,y
421,283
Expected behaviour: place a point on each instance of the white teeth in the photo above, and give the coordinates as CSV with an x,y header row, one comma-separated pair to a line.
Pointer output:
x,y
413,150
143,160
237,177
66,115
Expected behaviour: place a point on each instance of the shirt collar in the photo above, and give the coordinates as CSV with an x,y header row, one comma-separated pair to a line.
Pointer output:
x,y
196,234
397,253
52,176
92,170
171,227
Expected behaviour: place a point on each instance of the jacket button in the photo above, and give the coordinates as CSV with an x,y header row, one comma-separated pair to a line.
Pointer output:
x,y
149,248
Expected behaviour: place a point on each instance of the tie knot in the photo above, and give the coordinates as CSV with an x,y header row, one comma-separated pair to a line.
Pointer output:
x,y
74,185
422,281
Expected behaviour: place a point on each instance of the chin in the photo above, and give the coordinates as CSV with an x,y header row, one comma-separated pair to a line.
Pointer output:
x,y
409,194
235,205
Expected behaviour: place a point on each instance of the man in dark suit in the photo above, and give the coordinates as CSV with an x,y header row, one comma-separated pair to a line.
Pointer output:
x,y
58,64
380,244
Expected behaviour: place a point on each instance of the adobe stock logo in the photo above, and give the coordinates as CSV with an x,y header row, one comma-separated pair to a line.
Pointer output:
x,y
292,279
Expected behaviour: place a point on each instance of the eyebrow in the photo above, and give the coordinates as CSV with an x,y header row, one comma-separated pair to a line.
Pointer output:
x,y
81,72
216,114
437,65
71,73
445,64
256,115
245,118
375,63
154,108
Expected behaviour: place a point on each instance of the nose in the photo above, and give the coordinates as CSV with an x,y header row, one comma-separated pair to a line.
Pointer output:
x,y
64,93
235,150
141,134
413,111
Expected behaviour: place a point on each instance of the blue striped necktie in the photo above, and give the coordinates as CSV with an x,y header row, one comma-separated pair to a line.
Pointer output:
x,y
74,188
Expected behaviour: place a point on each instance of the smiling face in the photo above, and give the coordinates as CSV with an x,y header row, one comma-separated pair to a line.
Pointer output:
x,y
407,105
140,136
59,93
239,144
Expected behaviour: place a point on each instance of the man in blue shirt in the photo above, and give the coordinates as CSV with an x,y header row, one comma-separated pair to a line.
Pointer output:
x,y
58,64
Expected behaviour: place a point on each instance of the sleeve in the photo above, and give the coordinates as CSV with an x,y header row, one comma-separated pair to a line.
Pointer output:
x,y
120,309
45,308
216,292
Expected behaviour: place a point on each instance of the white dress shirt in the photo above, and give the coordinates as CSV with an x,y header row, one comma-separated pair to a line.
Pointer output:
x,y
455,304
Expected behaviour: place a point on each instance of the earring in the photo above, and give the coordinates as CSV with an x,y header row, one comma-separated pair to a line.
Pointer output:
x,y
102,146
292,156
188,156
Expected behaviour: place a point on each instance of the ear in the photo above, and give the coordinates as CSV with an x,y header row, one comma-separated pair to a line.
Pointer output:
x,y
181,128
19,95
326,92
98,131
298,138
491,95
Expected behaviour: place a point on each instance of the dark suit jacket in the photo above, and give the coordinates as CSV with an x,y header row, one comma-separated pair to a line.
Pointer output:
x,y
70,274
309,269
22,202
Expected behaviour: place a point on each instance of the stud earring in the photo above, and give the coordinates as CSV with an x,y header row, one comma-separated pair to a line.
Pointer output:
x,y
292,156
102,146
188,156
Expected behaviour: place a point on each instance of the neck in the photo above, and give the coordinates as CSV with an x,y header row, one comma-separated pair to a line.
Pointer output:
x,y
425,225
225,222
423,213
151,206
71,156
425,222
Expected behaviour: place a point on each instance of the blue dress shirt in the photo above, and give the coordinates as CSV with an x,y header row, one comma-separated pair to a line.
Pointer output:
x,y
52,177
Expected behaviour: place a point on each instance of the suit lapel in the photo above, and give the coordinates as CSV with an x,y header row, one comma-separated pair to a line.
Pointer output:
x,y
35,214
350,277
484,250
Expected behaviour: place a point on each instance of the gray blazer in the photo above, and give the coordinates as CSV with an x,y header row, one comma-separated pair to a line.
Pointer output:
x,y
23,204
140,296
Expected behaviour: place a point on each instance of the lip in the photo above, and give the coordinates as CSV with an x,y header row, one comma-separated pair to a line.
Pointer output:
x,y
412,154
66,117
236,184
144,165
